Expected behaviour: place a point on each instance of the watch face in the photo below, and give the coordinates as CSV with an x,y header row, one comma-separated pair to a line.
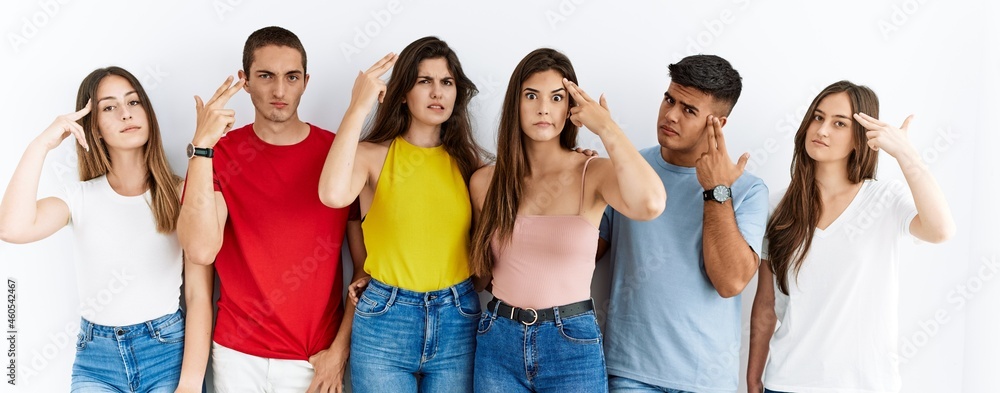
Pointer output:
x,y
190,150
720,193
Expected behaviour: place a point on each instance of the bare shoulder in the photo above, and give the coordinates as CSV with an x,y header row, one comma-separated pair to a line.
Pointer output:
x,y
481,179
372,148
600,173
372,154
479,186
598,167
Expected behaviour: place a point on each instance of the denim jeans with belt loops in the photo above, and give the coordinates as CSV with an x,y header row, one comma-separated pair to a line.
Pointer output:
x,y
562,355
406,341
144,357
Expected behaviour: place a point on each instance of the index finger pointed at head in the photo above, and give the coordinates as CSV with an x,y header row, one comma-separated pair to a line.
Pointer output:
x,y
710,130
232,90
584,94
82,112
222,89
865,121
720,139
874,120
388,65
574,91
382,65
906,123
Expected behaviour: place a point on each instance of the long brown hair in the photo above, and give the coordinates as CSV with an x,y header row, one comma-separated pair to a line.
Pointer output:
x,y
392,118
512,166
162,182
791,228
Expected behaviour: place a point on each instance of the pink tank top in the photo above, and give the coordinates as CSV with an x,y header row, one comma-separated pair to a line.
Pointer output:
x,y
549,261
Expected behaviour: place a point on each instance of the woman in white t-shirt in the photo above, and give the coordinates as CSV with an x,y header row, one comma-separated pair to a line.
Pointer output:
x,y
123,215
830,269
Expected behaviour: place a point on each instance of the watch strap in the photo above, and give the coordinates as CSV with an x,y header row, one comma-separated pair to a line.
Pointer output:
x,y
204,152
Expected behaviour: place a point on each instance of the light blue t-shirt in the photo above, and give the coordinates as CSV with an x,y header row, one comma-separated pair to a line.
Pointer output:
x,y
666,324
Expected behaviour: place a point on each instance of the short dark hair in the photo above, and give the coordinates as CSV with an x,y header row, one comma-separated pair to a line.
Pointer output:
x,y
710,74
271,35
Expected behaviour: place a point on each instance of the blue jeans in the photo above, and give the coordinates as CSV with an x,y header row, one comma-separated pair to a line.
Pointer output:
x,y
766,390
144,357
626,385
406,341
564,355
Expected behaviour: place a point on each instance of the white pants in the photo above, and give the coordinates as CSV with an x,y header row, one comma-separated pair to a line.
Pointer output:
x,y
238,372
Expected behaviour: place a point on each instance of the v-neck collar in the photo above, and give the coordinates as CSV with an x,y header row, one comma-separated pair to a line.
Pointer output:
x,y
845,215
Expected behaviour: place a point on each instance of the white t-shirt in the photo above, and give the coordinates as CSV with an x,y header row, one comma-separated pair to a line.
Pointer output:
x,y
838,327
127,272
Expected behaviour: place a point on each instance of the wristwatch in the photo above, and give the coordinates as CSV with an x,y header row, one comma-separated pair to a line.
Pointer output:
x,y
199,151
719,193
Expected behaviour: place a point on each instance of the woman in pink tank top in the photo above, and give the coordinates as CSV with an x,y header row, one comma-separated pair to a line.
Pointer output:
x,y
536,213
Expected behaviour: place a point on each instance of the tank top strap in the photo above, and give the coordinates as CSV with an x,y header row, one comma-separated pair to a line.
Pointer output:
x,y
583,181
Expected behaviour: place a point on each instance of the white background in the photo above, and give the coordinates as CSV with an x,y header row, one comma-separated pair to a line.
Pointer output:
x,y
933,58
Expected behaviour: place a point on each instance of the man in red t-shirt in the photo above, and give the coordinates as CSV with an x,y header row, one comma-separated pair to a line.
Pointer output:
x,y
252,208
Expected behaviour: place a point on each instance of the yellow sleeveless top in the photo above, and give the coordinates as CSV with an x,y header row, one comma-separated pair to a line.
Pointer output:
x,y
417,229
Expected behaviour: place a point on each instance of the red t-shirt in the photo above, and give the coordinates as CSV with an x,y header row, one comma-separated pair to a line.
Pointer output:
x,y
279,266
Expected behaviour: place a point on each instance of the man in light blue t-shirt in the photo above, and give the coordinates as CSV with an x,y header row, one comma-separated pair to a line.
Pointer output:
x,y
674,319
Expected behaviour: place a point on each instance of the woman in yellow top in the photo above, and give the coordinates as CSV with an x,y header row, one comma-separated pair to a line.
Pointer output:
x,y
415,324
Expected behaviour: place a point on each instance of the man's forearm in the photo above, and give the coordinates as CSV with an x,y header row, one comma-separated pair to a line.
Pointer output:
x,y
198,228
729,260
342,342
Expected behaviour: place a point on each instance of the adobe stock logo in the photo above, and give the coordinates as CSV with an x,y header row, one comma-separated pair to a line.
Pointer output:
x,y
66,338
565,9
364,34
963,293
31,25
223,7
899,16
701,41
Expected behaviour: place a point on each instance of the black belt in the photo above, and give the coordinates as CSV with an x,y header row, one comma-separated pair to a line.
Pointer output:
x,y
530,316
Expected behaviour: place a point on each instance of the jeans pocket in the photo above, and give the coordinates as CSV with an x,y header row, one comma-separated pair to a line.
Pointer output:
x,y
372,304
468,305
581,329
170,334
485,323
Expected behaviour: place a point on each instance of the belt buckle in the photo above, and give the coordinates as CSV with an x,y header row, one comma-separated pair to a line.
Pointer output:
x,y
533,320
